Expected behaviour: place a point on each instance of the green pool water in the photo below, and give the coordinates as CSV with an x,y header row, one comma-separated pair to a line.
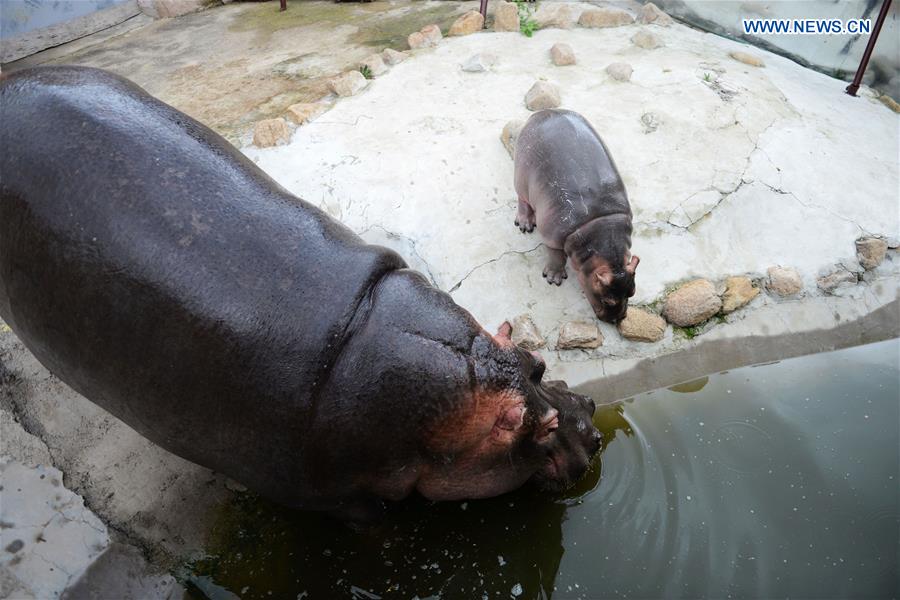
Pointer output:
x,y
775,481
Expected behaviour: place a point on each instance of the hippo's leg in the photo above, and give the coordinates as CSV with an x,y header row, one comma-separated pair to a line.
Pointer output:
x,y
525,217
555,269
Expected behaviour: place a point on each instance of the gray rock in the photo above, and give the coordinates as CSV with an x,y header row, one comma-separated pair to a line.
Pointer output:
x,y
349,84
375,64
620,71
579,334
510,134
642,326
650,13
646,40
871,251
738,292
562,54
542,95
605,17
650,122
432,33
784,281
393,57
525,333
478,63
562,15
838,278
692,303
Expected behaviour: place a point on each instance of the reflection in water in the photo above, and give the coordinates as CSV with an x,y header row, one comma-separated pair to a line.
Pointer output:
x,y
689,387
767,482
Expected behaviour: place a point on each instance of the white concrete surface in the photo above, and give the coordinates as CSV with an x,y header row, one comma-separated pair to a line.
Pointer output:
x,y
749,167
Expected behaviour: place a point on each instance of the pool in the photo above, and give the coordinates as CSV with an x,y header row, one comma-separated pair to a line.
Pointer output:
x,y
778,480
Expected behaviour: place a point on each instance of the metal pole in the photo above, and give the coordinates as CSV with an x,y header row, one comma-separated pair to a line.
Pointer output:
x,y
483,9
854,87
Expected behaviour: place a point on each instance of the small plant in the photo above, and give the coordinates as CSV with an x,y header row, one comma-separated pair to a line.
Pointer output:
x,y
527,24
689,332
707,77
366,72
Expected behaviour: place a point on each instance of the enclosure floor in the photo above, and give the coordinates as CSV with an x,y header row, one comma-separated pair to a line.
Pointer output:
x,y
730,169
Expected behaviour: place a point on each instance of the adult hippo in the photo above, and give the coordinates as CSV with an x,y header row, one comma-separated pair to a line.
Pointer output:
x,y
161,274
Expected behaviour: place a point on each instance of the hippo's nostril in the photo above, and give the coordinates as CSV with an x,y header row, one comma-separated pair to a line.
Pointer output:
x,y
597,438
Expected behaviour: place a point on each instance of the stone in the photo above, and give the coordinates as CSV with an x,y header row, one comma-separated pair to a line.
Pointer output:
x,y
235,486
467,24
620,71
506,17
738,292
542,95
561,15
302,112
840,277
49,536
871,251
562,54
478,63
747,59
890,103
692,303
375,64
605,17
650,122
784,281
393,57
417,40
646,40
579,334
348,84
510,134
525,333
432,33
640,325
271,132
650,13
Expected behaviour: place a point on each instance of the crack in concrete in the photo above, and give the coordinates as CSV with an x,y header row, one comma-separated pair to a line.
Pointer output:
x,y
728,193
493,260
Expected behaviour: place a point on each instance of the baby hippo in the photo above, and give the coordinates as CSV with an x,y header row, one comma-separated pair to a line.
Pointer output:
x,y
569,188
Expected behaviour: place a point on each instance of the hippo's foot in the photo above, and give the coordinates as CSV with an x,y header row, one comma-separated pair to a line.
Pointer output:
x,y
555,269
525,217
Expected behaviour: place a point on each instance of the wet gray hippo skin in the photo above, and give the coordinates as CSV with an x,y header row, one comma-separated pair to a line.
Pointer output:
x,y
161,274
568,187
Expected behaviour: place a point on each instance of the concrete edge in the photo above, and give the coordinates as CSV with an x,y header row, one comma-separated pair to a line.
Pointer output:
x,y
717,355
32,42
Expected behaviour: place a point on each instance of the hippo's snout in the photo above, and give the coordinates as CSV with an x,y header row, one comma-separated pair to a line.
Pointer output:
x,y
575,441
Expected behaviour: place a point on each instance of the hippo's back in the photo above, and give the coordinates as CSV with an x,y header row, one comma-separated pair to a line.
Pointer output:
x,y
164,276
565,172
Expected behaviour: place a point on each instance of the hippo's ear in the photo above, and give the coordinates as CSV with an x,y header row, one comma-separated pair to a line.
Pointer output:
x,y
503,334
631,267
602,278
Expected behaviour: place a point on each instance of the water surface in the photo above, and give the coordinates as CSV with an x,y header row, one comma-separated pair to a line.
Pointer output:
x,y
775,481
